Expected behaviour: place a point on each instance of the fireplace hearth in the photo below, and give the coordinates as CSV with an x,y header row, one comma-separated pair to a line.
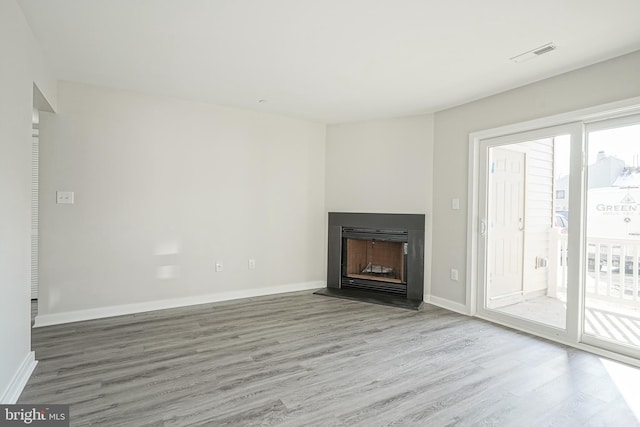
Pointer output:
x,y
376,258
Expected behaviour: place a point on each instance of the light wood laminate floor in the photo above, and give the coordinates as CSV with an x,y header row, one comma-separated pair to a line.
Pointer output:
x,y
301,360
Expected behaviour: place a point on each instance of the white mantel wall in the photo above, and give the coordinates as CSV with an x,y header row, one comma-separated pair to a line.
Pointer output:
x,y
165,188
383,166
21,65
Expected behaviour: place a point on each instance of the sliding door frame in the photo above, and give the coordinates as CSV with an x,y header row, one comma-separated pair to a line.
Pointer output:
x,y
576,121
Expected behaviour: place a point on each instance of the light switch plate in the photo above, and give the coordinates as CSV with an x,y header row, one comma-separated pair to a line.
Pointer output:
x,y
64,197
455,204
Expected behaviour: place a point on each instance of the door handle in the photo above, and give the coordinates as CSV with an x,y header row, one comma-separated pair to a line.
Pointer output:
x,y
483,227
520,224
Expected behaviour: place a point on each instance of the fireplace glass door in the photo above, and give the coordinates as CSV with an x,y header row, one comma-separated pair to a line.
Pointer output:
x,y
375,260
376,263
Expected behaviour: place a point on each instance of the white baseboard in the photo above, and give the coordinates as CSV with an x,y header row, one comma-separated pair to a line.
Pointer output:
x,y
448,304
19,380
119,310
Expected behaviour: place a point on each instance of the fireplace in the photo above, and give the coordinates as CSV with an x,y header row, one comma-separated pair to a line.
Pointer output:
x,y
376,257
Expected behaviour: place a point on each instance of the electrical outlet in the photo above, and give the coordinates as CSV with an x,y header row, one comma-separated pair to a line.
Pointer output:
x,y
454,274
64,197
219,266
252,264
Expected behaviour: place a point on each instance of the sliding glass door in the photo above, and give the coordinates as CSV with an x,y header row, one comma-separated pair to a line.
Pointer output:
x,y
526,228
558,242
554,228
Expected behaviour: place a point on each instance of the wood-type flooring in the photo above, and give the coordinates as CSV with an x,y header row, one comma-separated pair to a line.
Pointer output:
x,y
300,359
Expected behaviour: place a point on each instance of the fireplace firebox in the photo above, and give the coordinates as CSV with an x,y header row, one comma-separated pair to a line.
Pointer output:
x,y
376,258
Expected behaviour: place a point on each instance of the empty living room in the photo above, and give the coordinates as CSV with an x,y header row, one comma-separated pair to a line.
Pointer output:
x,y
319,213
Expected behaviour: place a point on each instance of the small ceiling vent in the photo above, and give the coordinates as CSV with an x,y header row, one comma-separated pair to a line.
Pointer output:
x,y
534,53
544,49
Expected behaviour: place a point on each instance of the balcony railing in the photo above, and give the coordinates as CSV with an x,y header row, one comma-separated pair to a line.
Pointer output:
x,y
613,269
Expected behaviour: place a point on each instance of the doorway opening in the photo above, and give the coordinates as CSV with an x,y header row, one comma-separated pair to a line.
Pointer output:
x,y
40,104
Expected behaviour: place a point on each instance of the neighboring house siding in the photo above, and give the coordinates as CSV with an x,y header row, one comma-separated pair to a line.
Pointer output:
x,y
538,211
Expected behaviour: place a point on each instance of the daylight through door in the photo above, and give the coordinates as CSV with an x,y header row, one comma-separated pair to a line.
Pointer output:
x,y
611,287
526,228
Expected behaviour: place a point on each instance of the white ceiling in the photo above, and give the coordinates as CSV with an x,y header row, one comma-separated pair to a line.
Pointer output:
x,y
327,60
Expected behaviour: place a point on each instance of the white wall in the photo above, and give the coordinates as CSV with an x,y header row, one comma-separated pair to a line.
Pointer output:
x,y
383,166
165,188
601,83
22,65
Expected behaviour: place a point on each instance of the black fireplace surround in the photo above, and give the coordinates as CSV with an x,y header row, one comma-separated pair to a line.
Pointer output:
x,y
394,276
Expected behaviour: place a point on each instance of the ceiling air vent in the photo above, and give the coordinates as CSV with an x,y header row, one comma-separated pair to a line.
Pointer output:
x,y
533,53
544,49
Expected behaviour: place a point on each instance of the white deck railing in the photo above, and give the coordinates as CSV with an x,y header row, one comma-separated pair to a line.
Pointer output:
x,y
612,269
